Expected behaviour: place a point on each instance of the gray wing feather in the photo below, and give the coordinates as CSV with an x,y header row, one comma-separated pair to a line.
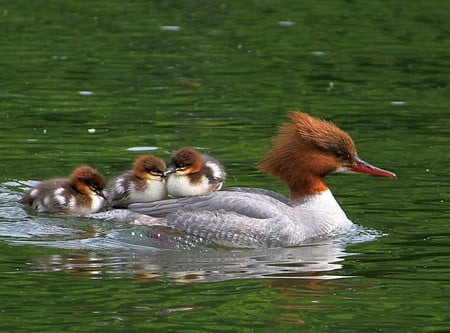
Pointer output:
x,y
238,231
262,191
243,204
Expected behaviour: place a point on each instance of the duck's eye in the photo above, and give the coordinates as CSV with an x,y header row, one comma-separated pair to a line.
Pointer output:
x,y
339,153
342,154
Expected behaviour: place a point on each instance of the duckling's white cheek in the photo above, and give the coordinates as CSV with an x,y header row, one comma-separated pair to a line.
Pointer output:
x,y
97,203
156,190
182,187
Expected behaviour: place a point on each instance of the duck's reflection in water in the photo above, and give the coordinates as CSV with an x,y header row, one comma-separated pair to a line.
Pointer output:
x,y
113,258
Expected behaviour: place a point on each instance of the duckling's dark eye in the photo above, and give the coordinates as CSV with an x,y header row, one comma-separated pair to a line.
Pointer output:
x,y
95,188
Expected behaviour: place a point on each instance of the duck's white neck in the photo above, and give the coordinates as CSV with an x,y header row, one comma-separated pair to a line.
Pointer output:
x,y
321,213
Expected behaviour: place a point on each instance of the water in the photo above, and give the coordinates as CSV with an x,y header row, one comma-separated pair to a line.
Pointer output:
x,y
101,83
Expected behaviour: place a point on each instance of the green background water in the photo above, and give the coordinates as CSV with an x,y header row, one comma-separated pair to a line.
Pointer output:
x,y
222,82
